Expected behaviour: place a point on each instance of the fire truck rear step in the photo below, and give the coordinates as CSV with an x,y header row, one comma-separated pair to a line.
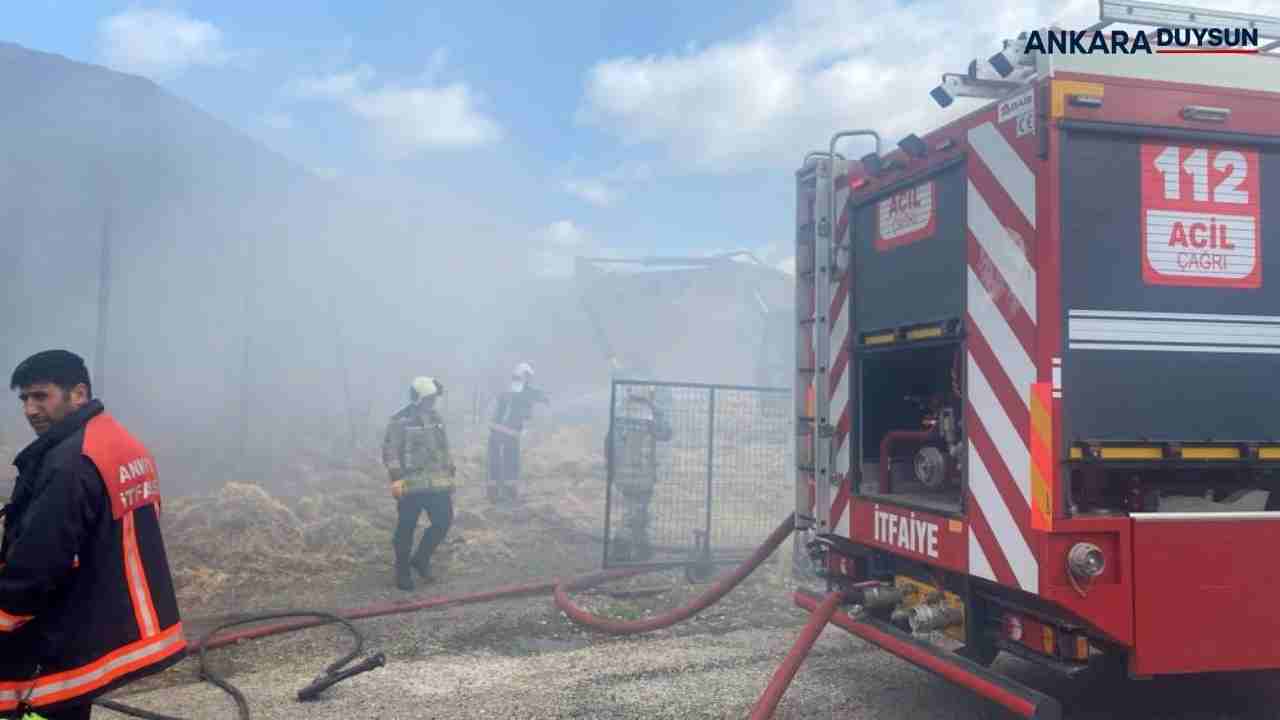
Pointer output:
x,y
1004,691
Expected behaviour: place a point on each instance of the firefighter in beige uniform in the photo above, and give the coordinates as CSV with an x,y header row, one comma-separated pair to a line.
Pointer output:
x,y
642,425
416,454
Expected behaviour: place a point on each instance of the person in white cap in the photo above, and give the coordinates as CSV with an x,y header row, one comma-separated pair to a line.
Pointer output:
x,y
515,406
416,454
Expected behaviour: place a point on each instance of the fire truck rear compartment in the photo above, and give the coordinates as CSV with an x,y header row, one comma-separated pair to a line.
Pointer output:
x,y
911,413
1179,359
1166,382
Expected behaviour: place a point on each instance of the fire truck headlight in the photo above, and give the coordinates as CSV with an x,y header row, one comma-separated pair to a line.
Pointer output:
x,y
1085,560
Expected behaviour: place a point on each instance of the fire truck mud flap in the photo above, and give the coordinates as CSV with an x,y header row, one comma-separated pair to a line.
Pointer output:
x,y
1017,698
1205,588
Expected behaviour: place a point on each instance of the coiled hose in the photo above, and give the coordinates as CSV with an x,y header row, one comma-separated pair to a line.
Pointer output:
x,y
332,674
560,588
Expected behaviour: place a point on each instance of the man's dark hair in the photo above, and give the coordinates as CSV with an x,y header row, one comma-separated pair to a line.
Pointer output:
x,y
59,367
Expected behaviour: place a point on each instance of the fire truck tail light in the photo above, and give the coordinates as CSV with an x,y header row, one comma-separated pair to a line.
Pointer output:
x,y
1049,645
1206,114
1085,560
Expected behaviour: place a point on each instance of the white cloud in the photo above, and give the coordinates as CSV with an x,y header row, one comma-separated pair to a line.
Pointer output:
x,y
763,100
408,117
556,245
278,121
593,190
606,189
564,234
427,117
160,43
336,86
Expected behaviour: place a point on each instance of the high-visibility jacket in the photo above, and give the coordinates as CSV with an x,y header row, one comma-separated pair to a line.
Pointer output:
x,y
87,602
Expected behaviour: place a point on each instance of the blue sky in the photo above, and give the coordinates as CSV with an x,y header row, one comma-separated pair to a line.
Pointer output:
x,y
595,127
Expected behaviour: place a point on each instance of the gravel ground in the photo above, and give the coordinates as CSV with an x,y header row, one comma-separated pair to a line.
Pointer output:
x,y
669,675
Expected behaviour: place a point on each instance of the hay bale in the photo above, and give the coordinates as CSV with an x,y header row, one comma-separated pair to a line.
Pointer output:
x,y
241,513
346,536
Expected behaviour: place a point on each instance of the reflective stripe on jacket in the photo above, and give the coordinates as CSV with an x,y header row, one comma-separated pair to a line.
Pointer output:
x,y
87,601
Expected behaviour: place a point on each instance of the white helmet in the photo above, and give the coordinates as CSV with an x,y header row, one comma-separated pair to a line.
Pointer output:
x,y
423,387
524,370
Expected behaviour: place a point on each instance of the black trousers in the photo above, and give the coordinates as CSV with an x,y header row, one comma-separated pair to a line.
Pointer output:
x,y
76,713
504,459
79,712
438,505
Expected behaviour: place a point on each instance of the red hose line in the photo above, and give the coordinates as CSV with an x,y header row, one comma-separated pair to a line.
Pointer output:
x,y
561,588
386,609
786,672
718,590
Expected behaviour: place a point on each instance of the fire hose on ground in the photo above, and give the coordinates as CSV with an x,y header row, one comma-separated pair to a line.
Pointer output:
x,y
332,674
560,589
1024,701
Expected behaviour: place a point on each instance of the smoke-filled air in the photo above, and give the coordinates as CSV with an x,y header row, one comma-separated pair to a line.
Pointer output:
x,y
638,360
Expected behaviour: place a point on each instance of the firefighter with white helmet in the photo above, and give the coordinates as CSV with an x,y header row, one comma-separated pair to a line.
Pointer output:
x,y
415,451
515,406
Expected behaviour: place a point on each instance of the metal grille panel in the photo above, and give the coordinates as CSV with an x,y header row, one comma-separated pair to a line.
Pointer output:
x,y
721,479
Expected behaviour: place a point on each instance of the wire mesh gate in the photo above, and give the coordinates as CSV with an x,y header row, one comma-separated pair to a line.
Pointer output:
x,y
694,470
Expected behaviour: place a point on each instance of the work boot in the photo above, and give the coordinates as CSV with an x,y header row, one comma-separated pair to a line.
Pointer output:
x,y
404,579
422,564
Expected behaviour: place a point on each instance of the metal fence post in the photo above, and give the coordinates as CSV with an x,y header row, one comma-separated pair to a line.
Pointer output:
x,y
608,471
711,461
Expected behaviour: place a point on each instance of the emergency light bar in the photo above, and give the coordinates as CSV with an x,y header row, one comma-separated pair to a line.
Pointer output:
x,y
1016,69
1131,12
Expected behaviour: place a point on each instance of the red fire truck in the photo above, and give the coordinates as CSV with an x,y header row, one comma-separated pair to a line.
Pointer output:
x,y
1037,350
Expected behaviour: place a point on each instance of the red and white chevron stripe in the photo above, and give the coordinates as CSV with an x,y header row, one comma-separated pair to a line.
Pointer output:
x,y
1001,323
841,412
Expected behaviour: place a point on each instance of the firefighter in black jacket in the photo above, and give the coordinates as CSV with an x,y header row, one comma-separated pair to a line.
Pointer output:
x,y
515,406
87,603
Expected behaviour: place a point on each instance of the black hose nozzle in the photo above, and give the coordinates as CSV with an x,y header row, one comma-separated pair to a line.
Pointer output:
x,y
329,679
